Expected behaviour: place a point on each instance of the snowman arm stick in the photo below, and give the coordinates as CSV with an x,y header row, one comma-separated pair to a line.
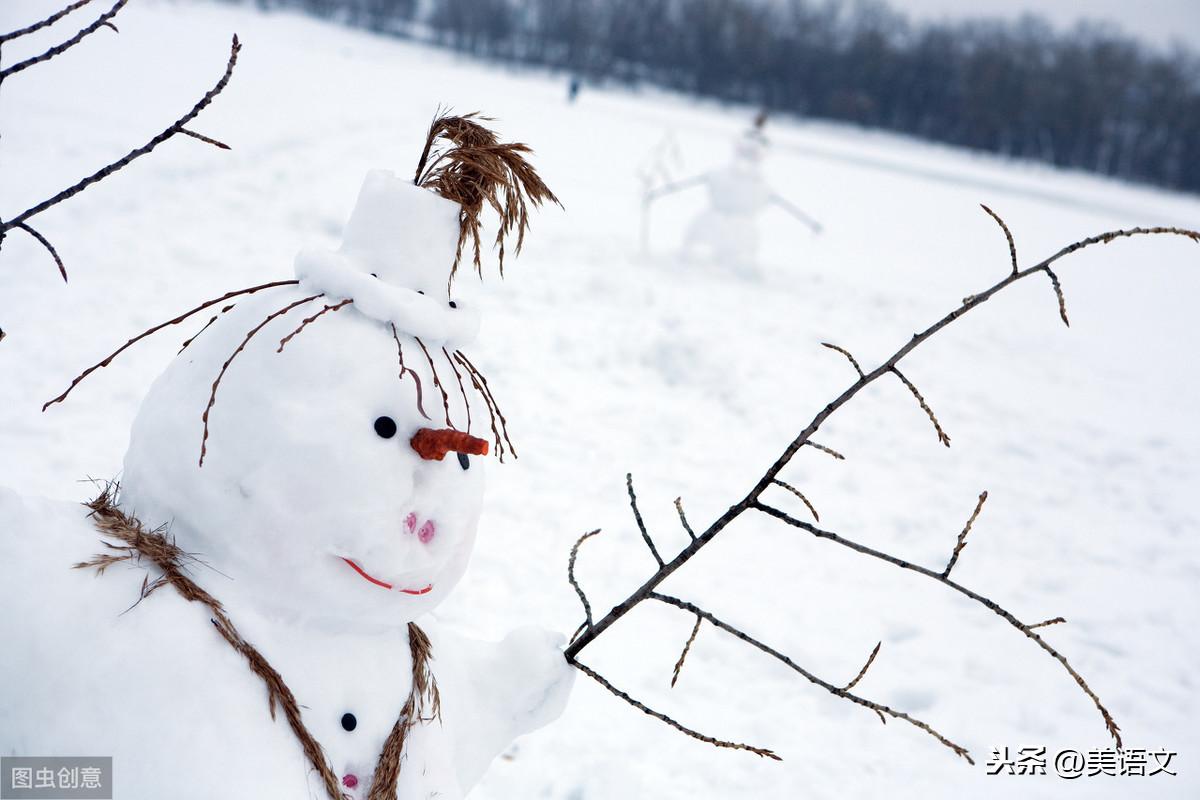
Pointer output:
x,y
752,501
792,209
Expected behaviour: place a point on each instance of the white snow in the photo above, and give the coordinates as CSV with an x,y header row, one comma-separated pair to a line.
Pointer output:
x,y
692,378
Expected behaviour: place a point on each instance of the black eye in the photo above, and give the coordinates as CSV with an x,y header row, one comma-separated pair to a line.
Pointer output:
x,y
385,427
453,304
463,461
349,723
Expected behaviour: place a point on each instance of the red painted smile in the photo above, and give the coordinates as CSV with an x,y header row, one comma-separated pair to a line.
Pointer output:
x,y
363,573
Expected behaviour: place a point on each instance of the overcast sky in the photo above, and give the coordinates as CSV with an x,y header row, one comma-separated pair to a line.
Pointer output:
x,y
1159,22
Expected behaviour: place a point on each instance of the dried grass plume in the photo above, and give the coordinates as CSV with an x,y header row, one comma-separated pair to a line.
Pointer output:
x,y
466,162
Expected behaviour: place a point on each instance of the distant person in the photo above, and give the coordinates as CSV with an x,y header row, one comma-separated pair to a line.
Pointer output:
x,y
573,87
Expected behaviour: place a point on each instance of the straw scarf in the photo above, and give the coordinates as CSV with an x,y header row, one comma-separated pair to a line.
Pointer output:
x,y
136,544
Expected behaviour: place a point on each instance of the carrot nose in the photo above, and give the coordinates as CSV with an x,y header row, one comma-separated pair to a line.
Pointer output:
x,y
432,444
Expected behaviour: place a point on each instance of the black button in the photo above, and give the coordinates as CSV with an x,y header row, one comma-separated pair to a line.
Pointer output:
x,y
385,427
349,723
463,461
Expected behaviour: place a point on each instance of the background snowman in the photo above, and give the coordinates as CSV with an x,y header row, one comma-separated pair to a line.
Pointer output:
x,y
302,484
738,194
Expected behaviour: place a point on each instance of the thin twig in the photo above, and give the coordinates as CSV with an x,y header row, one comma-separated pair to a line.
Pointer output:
x,y
683,518
846,353
803,499
937,426
487,402
62,269
100,22
863,671
687,648
207,139
1044,623
758,751
308,320
185,315
587,607
828,450
409,370
437,381
1058,293
987,603
212,397
461,389
878,708
637,515
1012,245
962,537
173,129
486,390
48,21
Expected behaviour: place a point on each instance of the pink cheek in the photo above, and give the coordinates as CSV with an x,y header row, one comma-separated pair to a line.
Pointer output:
x,y
410,522
427,532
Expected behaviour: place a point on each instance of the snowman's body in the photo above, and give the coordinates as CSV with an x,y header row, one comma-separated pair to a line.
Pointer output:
x,y
737,196
317,525
158,689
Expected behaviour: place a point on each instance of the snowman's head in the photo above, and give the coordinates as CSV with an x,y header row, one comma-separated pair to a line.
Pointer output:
x,y
320,443
342,475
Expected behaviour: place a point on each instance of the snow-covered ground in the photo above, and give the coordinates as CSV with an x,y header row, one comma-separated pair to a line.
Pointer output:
x,y
607,360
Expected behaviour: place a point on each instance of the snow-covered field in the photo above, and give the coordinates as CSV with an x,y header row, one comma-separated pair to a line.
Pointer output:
x,y
607,360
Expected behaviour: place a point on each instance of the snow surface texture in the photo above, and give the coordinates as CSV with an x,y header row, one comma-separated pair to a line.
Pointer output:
x,y
694,379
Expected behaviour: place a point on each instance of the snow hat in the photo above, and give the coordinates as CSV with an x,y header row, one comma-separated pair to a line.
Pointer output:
x,y
396,260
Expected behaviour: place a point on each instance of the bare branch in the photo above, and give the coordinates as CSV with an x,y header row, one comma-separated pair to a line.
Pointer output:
x,y
587,607
637,515
846,353
878,708
803,499
687,648
1055,621
941,434
45,23
62,269
1012,246
101,21
863,671
962,537
991,605
172,130
683,518
175,321
752,498
758,751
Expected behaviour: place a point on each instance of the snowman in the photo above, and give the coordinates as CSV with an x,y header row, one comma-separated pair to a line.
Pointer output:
x,y
302,487
738,194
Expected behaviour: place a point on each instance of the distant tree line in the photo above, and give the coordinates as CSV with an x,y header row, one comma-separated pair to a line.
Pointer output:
x,y
1091,98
